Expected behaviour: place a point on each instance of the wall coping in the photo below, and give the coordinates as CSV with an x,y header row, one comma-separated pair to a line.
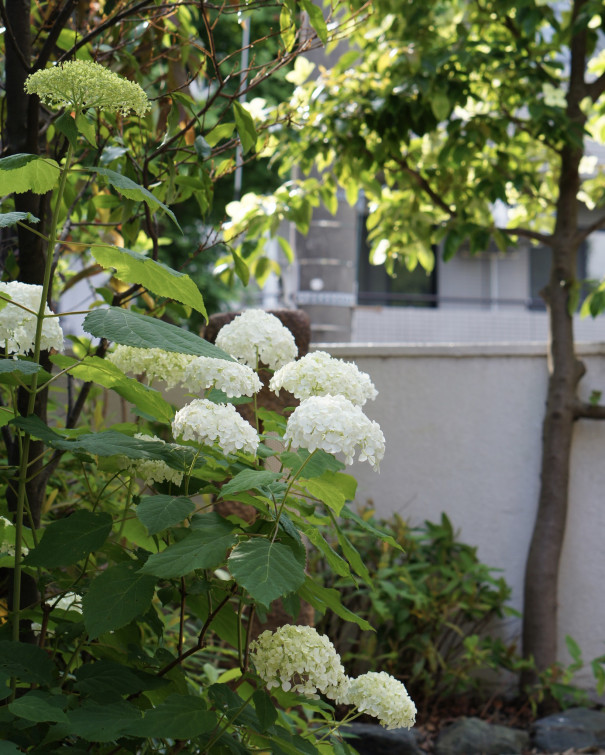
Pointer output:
x,y
449,350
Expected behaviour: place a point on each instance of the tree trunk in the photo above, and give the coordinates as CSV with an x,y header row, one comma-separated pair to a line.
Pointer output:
x,y
541,574
542,569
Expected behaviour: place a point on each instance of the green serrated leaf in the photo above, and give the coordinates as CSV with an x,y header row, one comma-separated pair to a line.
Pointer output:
x,y
320,462
323,598
40,706
102,372
26,662
108,443
249,479
131,190
20,173
105,681
178,717
134,267
266,570
12,218
132,329
245,127
265,710
202,548
69,540
116,597
158,512
105,722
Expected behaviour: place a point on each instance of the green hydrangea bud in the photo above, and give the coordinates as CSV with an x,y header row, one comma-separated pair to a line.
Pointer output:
x,y
81,84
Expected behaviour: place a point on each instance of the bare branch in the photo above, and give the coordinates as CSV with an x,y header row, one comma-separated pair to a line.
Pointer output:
x,y
585,232
584,410
527,233
596,88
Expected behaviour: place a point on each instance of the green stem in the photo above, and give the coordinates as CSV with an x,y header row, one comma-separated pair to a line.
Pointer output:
x,y
50,249
292,481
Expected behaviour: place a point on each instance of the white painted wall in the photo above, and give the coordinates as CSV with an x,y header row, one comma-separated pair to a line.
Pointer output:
x,y
462,427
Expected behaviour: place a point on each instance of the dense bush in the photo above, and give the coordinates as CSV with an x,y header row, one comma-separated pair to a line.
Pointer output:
x,y
430,601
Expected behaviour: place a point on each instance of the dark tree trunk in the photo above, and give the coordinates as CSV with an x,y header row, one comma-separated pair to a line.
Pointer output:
x,y
542,569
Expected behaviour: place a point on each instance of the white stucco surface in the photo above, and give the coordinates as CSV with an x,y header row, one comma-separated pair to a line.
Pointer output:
x,y
463,433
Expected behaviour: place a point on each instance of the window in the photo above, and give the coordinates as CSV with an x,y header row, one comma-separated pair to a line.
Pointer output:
x,y
375,286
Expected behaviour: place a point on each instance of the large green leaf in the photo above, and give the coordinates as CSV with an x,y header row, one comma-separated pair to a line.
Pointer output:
x,y
156,277
131,190
105,722
323,598
40,706
249,479
108,443
26,662
316,19
69,540
12,218
105,681
333,488
133,329
319,462
157,512
103,372
116,597
178,717
245,126
19,365
202,548
266,570
21,173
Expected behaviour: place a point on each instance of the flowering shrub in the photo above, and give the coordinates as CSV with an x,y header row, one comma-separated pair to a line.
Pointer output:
x,y
125,576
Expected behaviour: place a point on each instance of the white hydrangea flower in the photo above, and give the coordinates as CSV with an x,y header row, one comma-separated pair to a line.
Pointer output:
x,y
71,601
82,84
155,364
18,327
300,659
335,425
381,695
256,336
319,374
232,378
154,470
7,548
210,423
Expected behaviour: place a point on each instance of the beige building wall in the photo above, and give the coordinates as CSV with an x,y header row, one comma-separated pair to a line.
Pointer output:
x,y
463,427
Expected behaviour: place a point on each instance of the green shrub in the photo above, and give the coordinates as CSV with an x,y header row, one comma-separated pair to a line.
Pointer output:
x,y
430,602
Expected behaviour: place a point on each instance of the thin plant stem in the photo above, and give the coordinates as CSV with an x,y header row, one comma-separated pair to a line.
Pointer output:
x,y
16,607
290,483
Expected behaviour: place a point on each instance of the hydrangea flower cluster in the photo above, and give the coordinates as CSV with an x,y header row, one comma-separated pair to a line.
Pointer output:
x,y
210,423
319,374
18,327
155,470
380,695
169,366
82,84
300,659
335,425
232,378
257,336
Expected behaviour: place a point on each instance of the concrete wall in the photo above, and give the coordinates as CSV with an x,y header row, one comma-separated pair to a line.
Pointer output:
x,y
462,426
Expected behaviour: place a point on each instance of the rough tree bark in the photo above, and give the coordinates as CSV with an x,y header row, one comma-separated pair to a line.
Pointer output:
x,y
563,406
